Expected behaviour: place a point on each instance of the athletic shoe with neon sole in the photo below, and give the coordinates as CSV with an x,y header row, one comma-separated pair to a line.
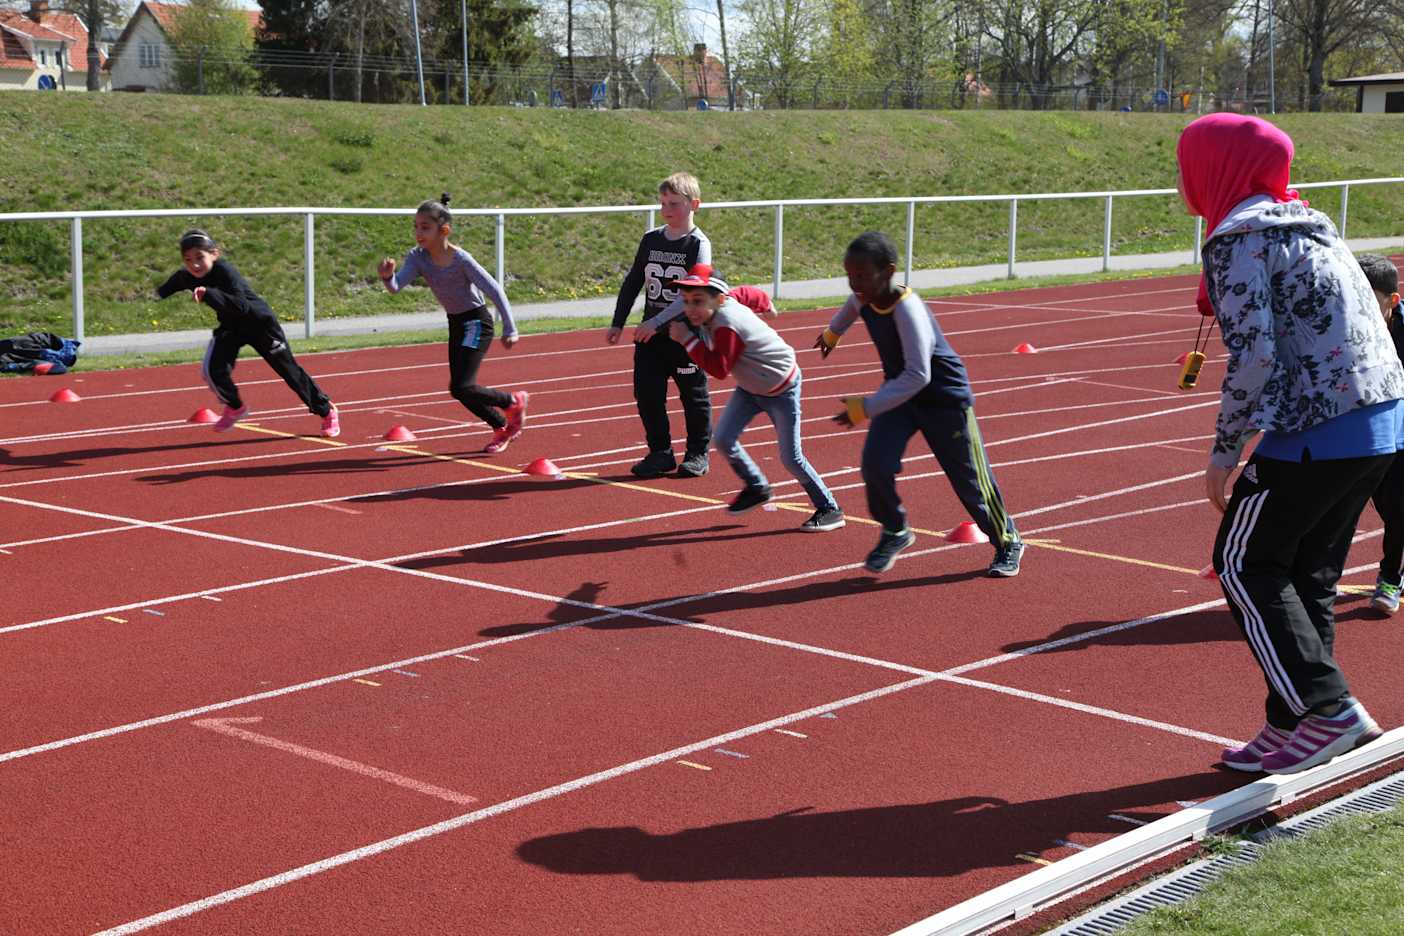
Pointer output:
x,y
1249,758
1319,738
230,417
1386,597
331,424
823,520
749,499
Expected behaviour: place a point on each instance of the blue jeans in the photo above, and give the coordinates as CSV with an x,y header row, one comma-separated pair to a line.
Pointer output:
x,y
784,411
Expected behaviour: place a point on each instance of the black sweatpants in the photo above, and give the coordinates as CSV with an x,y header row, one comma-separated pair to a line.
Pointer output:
x,y
656,361
954,437
470,337
1281,546
1389,503
265,335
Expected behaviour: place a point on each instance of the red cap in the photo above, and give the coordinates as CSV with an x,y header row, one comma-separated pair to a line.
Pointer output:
x,y
701,274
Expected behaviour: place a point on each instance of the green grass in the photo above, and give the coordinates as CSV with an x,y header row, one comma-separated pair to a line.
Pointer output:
x,y
1345,880
163,151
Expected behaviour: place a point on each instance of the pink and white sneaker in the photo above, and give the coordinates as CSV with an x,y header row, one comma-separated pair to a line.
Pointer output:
x,y
230,417
516,413
501,438
331,424
1250,757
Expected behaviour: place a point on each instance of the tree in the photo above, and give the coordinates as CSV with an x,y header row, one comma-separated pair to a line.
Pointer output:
x,y
1038,37
211,41
847,50
776,49
291,26
500,37
1126,30
1323,27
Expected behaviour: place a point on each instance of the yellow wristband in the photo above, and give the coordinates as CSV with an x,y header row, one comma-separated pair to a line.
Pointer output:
x,y
831,338
856,413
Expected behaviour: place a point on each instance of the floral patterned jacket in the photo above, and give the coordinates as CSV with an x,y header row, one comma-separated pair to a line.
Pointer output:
x,y
1304,334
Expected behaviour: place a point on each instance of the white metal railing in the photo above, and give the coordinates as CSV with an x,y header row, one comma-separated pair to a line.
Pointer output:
x,y
309,215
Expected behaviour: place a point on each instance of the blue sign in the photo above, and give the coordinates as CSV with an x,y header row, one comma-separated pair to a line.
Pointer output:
x,y
597,93
702,104
557,98
1162,97
47,83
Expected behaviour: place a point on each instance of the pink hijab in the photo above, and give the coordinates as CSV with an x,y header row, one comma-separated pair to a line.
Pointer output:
x,y
1226,158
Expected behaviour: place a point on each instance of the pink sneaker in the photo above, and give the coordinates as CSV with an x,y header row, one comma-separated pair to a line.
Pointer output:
x,y
516,413
1250,757
230,417
331,424
501,438
1319,738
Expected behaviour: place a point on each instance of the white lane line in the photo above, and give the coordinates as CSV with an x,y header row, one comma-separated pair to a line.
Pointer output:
x,y
478,815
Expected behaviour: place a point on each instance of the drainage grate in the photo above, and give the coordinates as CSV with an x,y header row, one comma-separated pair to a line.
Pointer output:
x,y
1189,881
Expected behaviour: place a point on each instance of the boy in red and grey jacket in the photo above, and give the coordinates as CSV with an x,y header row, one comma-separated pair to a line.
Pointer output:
x,y
731,340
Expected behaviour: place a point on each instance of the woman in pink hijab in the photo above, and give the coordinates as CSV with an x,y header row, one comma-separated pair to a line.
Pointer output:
x,y
1311,366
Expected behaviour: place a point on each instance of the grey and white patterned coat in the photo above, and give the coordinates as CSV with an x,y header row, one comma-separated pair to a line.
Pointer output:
x,y
1304,334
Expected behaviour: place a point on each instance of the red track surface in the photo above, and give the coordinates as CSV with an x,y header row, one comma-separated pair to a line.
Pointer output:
x,y
669,719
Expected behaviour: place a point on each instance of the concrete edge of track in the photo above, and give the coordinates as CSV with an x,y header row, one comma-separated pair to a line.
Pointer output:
x,y
1026,895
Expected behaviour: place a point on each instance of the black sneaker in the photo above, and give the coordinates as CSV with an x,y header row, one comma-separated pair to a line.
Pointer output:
x,y
1006,560
749,499
823,521
693,466
887,548
655,465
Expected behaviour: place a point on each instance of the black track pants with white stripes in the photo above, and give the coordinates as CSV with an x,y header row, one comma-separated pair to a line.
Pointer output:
x,y
265,335
1279,553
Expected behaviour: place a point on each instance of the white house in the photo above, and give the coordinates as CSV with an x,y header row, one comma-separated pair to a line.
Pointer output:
x,y
141,57
41,49
1376,94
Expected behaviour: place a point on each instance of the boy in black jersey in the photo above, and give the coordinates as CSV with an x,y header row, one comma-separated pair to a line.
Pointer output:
x,y
244,319
665,254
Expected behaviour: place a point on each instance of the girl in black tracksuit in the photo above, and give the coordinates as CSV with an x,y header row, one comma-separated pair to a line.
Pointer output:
x,y
244,319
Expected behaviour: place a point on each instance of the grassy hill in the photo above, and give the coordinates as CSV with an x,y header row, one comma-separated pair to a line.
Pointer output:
x,y
161,151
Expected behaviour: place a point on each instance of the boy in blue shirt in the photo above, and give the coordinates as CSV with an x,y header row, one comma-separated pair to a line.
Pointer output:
x,y
926,390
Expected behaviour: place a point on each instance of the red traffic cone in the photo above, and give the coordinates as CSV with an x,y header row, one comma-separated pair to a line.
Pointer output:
x,y
399,434
1208,573
1182,358
203,417
967,532
64,396
544,468
1025,348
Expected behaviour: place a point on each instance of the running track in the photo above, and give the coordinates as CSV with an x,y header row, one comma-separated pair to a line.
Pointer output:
x,y
270,683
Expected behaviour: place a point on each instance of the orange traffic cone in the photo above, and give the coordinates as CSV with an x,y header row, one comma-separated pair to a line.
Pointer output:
x,y
64,396
202,417
399,434
1025,348
967,532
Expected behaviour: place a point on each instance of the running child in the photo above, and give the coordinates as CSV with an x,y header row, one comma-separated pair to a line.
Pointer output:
x,y
1310,365
925,389
244,319
1383,277
731,339
665,254
459,283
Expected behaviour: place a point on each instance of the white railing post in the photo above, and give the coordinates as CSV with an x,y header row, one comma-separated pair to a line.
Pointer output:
x,y
1106,236
1345,207
779,246
75,252
502,252
1013,232
911,236
1198,238
652,223
309,277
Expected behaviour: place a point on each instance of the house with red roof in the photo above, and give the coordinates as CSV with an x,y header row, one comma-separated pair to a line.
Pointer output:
x,y
141,56
44,50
